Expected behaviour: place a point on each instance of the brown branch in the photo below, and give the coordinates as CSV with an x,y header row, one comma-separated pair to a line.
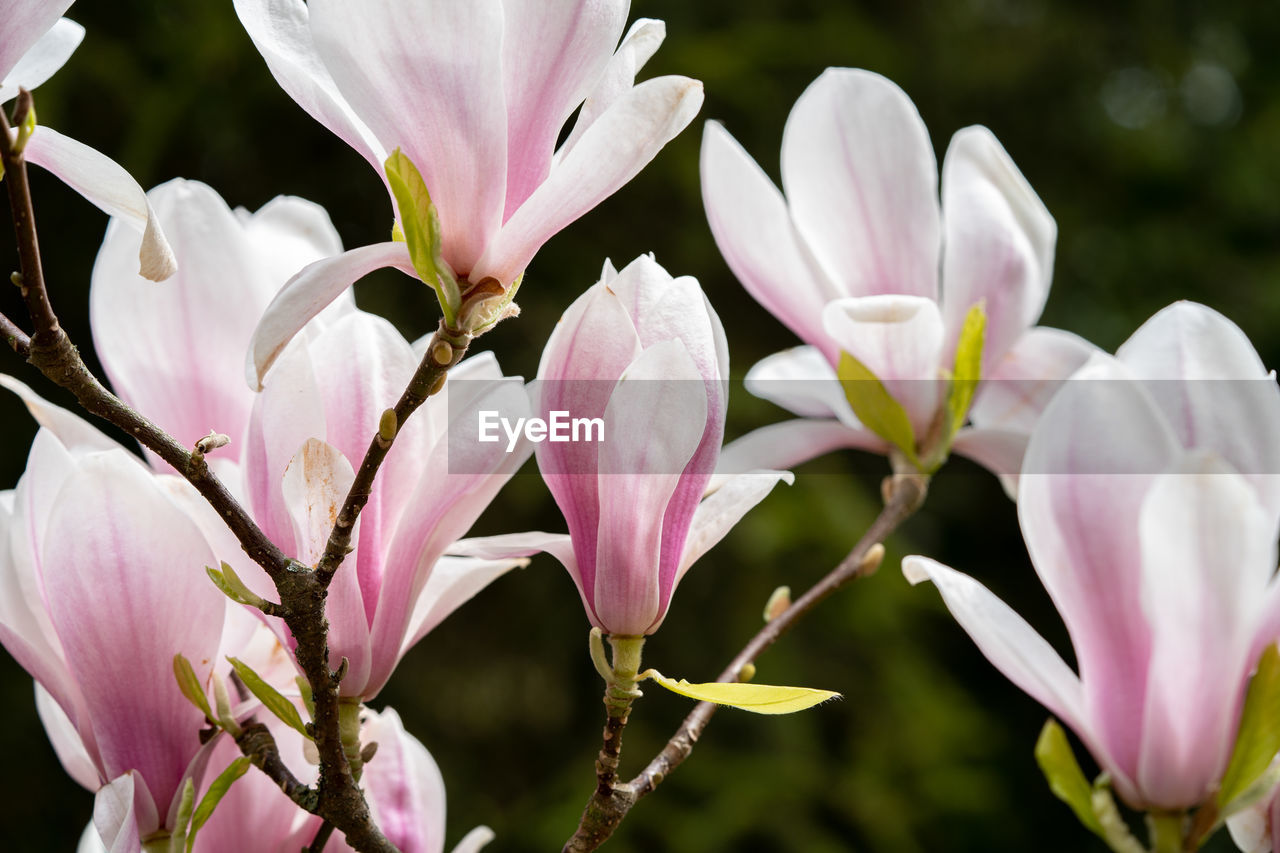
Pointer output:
x,y
337,797
17,339
904,493
447,348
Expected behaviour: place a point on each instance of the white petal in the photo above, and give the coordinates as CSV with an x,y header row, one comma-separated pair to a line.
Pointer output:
x,y
999,243
616,147
108,187
861,179
310,292
25,22
1017,388
725,507
44,58
791,443
999,451
454,581
66,741
753,228
802,381
474,840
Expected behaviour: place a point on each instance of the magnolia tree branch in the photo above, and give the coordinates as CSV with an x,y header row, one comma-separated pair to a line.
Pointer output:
x,y
611,801
337,798
447,348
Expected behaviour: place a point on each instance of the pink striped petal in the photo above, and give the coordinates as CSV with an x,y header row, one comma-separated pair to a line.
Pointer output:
x,y
553,54
406,790
754,231
281,30
123,812
999,241
611,152
43,58
310,292
427,77
1208,552
109,188
119,554
861,180
642,464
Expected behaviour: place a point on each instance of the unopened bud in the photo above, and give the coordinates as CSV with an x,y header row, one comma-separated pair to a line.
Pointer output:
x,y
212,442
871,560
777,603
388,425
441,352
747,672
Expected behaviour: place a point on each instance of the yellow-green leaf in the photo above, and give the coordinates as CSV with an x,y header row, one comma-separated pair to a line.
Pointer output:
x,y
875,406
271,698
1259,734
189,684
1066,779
232,587
968,367
757,698
420,225
214,795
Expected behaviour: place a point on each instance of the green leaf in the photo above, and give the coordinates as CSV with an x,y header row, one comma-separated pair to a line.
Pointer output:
x,y
875,406
420,225
1259,735
757,698
270,697
189,684
214,795
232,587
183,819
1062,771
968,368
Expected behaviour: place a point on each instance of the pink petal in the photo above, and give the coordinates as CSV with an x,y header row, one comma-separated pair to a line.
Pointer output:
x,y
899,339
109,188
642,466
999,241
308,293
553,54
72,431
427,77
124,811
406,790
755,233
861,180
1213,389
118,554
1208,552
611,152
1017,388
802,381
65,740
175,350
286,234
25,23
791,443
1086,471
453,582
638,46
281,30
43,58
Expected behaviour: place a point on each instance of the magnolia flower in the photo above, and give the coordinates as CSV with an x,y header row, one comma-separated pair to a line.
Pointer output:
x,y
176,352
1149,502
95,547
402,784
475,95
312,424
860,258
646,354
36,42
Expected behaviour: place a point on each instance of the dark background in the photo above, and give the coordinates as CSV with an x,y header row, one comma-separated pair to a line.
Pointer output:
x,y
1151,131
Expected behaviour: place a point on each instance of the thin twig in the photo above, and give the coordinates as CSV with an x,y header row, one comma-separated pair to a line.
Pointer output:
x,y
447,348
321,839
607,807
17,339
337,797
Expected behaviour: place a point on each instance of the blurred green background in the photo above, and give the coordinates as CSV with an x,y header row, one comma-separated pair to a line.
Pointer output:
x,y
1152,132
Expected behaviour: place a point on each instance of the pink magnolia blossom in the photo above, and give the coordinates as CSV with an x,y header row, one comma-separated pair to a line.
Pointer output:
x,y
860,257
101,586
34,43
177,355
1149,503
403,785
645,353
475,94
